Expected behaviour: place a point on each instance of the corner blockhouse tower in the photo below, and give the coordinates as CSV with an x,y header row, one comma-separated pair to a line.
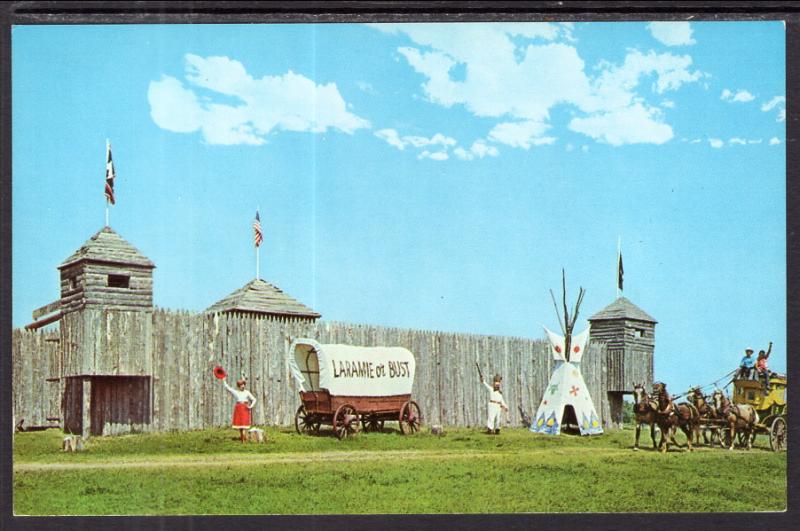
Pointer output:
x,y
630,335
105,313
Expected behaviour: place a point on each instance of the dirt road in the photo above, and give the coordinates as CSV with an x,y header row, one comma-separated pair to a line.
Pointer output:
x,y
223,460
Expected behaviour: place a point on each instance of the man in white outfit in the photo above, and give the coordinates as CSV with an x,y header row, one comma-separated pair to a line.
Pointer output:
x,y
497,405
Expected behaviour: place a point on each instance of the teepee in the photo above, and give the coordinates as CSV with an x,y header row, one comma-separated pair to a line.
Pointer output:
x,y
566,388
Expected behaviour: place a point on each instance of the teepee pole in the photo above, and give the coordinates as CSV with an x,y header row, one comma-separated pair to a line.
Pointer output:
x,y
558,314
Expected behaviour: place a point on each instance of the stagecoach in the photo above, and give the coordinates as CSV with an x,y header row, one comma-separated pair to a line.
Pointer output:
x,y
352,388
770,406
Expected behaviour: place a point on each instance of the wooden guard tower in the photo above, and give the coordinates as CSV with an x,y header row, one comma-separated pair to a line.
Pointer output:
x,y
629,333
106,311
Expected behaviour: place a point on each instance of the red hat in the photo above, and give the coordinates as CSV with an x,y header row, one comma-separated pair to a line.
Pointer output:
x,y
219,372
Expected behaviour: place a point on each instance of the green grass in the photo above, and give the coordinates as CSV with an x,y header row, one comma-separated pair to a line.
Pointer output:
x,y
208,472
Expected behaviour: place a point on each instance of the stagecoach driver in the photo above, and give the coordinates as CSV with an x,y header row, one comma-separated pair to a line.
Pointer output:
x,y
497,405
747,365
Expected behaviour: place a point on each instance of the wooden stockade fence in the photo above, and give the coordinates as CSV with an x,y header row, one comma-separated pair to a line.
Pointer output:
x,y
36,358
184,347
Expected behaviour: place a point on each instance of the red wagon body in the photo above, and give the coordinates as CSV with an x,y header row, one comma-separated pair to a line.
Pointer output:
x,y
353,388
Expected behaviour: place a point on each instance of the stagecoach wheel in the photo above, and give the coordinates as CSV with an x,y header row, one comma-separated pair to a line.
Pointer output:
x,y
777,435
410,418
346,421
305,422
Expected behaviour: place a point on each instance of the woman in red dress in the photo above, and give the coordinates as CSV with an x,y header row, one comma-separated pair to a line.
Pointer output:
x,y
244,404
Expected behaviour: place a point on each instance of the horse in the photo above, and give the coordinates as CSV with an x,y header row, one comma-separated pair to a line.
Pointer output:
x,y
665,416
643,414
707,414
688,421
740,418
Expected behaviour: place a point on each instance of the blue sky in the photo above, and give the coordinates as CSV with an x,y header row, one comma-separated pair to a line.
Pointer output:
x,y
433,176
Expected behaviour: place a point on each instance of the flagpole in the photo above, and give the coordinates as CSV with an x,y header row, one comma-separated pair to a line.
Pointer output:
x,y
619,251
108,145
258,254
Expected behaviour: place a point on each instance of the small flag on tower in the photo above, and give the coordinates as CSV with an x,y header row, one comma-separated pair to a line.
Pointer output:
x,y
258,237
110,175
620,272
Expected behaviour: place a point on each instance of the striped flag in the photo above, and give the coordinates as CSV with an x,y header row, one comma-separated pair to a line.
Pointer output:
x,y
258,236
110,175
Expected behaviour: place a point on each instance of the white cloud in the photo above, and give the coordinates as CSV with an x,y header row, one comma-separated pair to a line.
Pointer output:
x,y
736,140
742,96
481,149
289,102
391,137
672,33
774,141
629,125
780,103
437,139
774,102
616,84
478,149
716,143
437,146
520,82
521,134
695,141
669,104
463,154
172,107
436,155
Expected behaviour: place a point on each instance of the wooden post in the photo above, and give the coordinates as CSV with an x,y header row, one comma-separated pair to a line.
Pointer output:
x,y
86,407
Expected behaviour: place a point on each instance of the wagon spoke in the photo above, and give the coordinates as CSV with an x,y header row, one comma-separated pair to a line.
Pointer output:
x,y
778,435
410,418
346,421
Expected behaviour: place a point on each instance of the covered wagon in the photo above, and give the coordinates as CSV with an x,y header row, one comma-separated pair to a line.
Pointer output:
x,y
351,387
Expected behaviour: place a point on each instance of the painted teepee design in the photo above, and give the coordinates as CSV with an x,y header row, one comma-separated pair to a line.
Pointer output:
x,y
566,386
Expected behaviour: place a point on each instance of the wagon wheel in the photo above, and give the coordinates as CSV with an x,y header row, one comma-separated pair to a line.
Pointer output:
x,y
305,422
777,435
410,418
346,421
372,423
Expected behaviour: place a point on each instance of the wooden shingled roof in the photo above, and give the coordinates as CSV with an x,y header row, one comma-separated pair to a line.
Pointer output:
x,y
622,308
258,296
108,246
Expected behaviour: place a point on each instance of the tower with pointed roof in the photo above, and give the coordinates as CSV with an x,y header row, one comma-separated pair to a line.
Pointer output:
x,y
629,333
105,312
107,272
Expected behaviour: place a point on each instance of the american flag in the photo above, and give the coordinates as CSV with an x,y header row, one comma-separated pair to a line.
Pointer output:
x,y
258,237
110,175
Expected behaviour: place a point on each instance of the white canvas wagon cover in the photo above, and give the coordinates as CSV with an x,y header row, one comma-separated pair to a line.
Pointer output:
x,y
346,370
